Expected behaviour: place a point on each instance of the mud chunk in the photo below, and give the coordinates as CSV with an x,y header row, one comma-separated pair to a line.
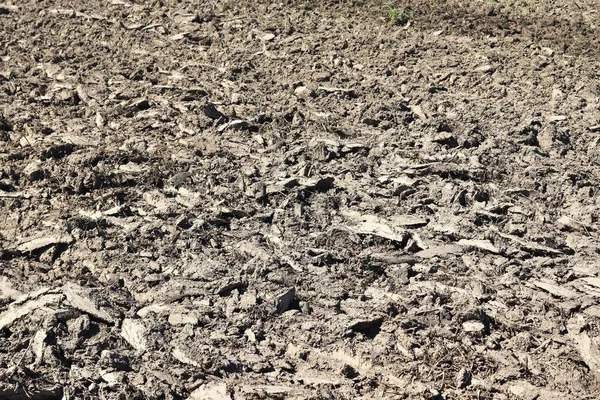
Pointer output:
x,y
4,10
57,151
33,171
100,120
259,190
440,251
184,222
79,327
488,69
49,255
39,344
471,142
7,292
400,274
319,185
484,245
66,97
114,360
52,355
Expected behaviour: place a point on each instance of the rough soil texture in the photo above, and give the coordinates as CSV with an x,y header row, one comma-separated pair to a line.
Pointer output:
x,y
230,200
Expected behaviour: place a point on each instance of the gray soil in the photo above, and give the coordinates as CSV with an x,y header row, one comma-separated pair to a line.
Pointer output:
x,y
300,200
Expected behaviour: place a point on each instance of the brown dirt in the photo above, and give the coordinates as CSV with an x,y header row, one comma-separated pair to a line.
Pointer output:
x,y
299,200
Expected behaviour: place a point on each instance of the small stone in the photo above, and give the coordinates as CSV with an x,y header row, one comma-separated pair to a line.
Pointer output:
x,y
524,390
267,37
322,76
99,120
248,300
485,69
176,319
302,91
114,379
250,335
473,326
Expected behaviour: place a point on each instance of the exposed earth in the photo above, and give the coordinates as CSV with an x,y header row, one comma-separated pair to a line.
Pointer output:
x,y
299,200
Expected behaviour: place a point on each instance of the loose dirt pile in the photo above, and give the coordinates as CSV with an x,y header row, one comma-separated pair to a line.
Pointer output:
x,y
228,200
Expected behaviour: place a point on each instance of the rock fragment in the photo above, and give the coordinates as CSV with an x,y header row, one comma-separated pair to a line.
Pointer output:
x,y
211,391
303,91
267,37
134,332
440,251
